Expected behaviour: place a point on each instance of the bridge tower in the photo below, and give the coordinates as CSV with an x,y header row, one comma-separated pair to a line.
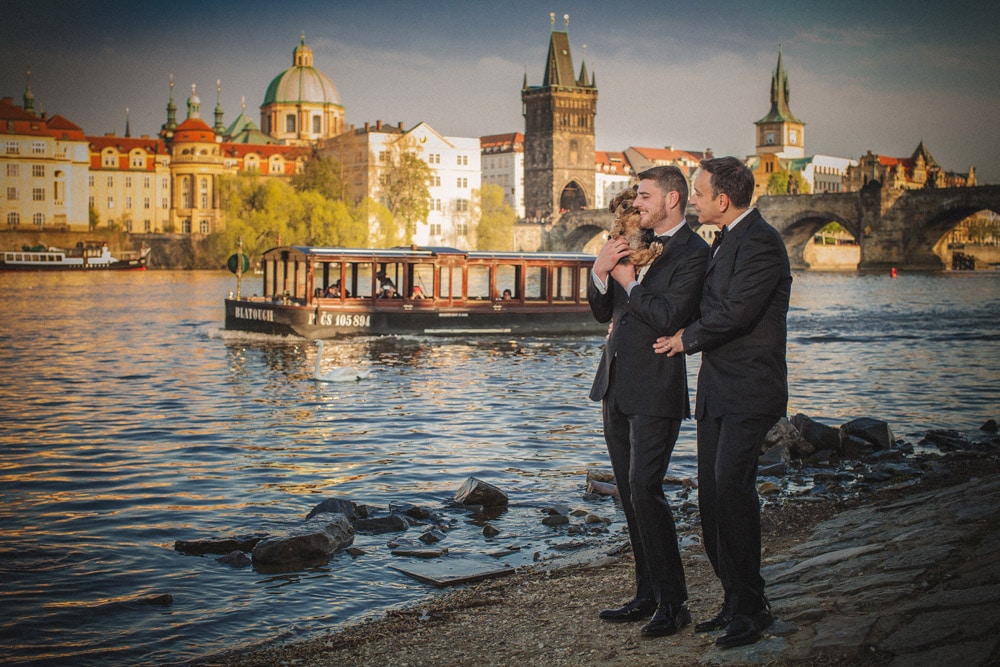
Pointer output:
x,y
780,133
559,134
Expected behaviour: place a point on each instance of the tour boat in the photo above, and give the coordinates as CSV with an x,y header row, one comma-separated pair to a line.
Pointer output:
x,y
322,293
88,256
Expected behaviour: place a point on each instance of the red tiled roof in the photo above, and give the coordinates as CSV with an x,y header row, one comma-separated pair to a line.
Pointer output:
x,y
495,143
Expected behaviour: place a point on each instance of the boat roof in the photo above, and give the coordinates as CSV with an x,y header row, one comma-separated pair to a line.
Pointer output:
x,y
404,252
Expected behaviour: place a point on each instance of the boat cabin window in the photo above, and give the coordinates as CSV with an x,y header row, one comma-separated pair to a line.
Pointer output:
x,y
479,282
360,279
420,281
562,284
449,282
508,277
536,283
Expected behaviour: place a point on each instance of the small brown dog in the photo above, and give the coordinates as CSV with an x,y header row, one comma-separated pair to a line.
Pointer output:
x,y
627,224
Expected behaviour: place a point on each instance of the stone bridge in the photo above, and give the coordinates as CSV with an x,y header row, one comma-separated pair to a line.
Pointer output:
x,y
895,228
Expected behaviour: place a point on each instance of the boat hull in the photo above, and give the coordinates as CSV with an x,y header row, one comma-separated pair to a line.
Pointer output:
x,y
318,322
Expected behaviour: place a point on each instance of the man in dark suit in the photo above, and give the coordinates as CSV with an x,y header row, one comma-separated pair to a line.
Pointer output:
x,y
742,386
644,395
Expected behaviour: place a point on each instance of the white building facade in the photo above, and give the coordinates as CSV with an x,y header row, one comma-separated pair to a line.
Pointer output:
x,y
503,165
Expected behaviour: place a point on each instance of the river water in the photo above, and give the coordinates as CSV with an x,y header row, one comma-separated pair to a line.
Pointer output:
x,y
130,420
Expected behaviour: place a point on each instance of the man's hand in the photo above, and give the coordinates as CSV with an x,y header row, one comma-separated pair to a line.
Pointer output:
x,y
609,255
624,274
669,345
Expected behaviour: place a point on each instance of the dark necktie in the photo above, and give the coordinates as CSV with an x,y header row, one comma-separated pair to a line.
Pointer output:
x,y
719,236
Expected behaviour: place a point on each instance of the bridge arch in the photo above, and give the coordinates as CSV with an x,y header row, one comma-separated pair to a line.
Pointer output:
x,y
573,197
799,232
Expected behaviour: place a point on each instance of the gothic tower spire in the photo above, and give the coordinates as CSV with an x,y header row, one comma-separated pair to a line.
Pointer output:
x,y
29,98
780,132
219,128
558,134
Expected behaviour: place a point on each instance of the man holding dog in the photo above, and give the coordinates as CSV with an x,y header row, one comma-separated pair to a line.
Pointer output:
x,y
742,386
644,395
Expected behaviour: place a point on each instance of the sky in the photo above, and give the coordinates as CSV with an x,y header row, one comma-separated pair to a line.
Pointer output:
x,y
863,74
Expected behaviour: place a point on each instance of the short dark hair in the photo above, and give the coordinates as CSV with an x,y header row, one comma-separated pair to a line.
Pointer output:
x,y
732,178
669,179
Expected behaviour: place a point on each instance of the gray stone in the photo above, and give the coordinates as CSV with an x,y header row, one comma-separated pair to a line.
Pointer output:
x,y
866,583
875,431
392,523
842,635
335,506
307,545
937,626
477,492
918,556
820,436
218,547
966,653
835,557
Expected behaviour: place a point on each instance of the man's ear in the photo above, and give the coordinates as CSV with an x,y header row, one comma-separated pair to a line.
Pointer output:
x,y
723,201
673,198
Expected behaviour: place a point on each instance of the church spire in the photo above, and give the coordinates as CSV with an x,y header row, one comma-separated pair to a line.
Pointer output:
x,y
219,127
780,95
194,103
128,131
29,98
168,128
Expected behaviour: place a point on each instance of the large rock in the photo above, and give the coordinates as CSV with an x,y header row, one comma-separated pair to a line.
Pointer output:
x,y
820,436
875,431
477,492
307,545
336,506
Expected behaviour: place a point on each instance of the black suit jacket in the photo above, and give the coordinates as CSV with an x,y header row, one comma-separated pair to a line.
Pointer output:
x,y
741,328
666,300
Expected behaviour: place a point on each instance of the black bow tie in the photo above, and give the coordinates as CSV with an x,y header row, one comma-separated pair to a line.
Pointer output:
x,y
719,236
649,236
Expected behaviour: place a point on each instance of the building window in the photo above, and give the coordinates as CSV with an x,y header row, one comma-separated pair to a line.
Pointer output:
x,y
13,148
38,148
38,170
203,227
462,228
109,160
289,127
204,193
145,182
147,226
145,202
435,229
128,182
11,194
128,224
90,201
462,205
769,138
317,124
793,137
462,160
186,197
186,226
38,194
13,170
463,182
111,202
164,183
383,157
165,203
138,161
111,181
13,218
436,181
434,158
128,201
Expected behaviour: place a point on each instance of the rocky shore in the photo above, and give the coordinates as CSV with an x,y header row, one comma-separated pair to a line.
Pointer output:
x,y
892,558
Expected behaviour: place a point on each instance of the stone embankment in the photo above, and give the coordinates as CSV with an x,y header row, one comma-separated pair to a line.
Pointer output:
x,y
893,559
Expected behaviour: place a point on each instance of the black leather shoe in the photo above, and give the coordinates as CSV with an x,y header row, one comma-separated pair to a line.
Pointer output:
x,y
717,622
668,619
743,629
636,610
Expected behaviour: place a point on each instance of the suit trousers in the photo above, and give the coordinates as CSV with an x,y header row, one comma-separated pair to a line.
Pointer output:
x,y
640,447
728,449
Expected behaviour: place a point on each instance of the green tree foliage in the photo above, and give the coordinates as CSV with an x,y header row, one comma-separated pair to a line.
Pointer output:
x,y
404,190
385,229
785,183
324,175
496,222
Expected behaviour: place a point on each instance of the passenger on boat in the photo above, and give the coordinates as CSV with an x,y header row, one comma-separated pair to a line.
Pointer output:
x,y
387,288
418,293
333,291
507,296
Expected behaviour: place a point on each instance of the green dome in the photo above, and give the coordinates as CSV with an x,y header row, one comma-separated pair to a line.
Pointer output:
x,y
302,82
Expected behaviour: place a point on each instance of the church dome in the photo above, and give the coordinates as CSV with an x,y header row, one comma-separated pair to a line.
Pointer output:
x,y
302,82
